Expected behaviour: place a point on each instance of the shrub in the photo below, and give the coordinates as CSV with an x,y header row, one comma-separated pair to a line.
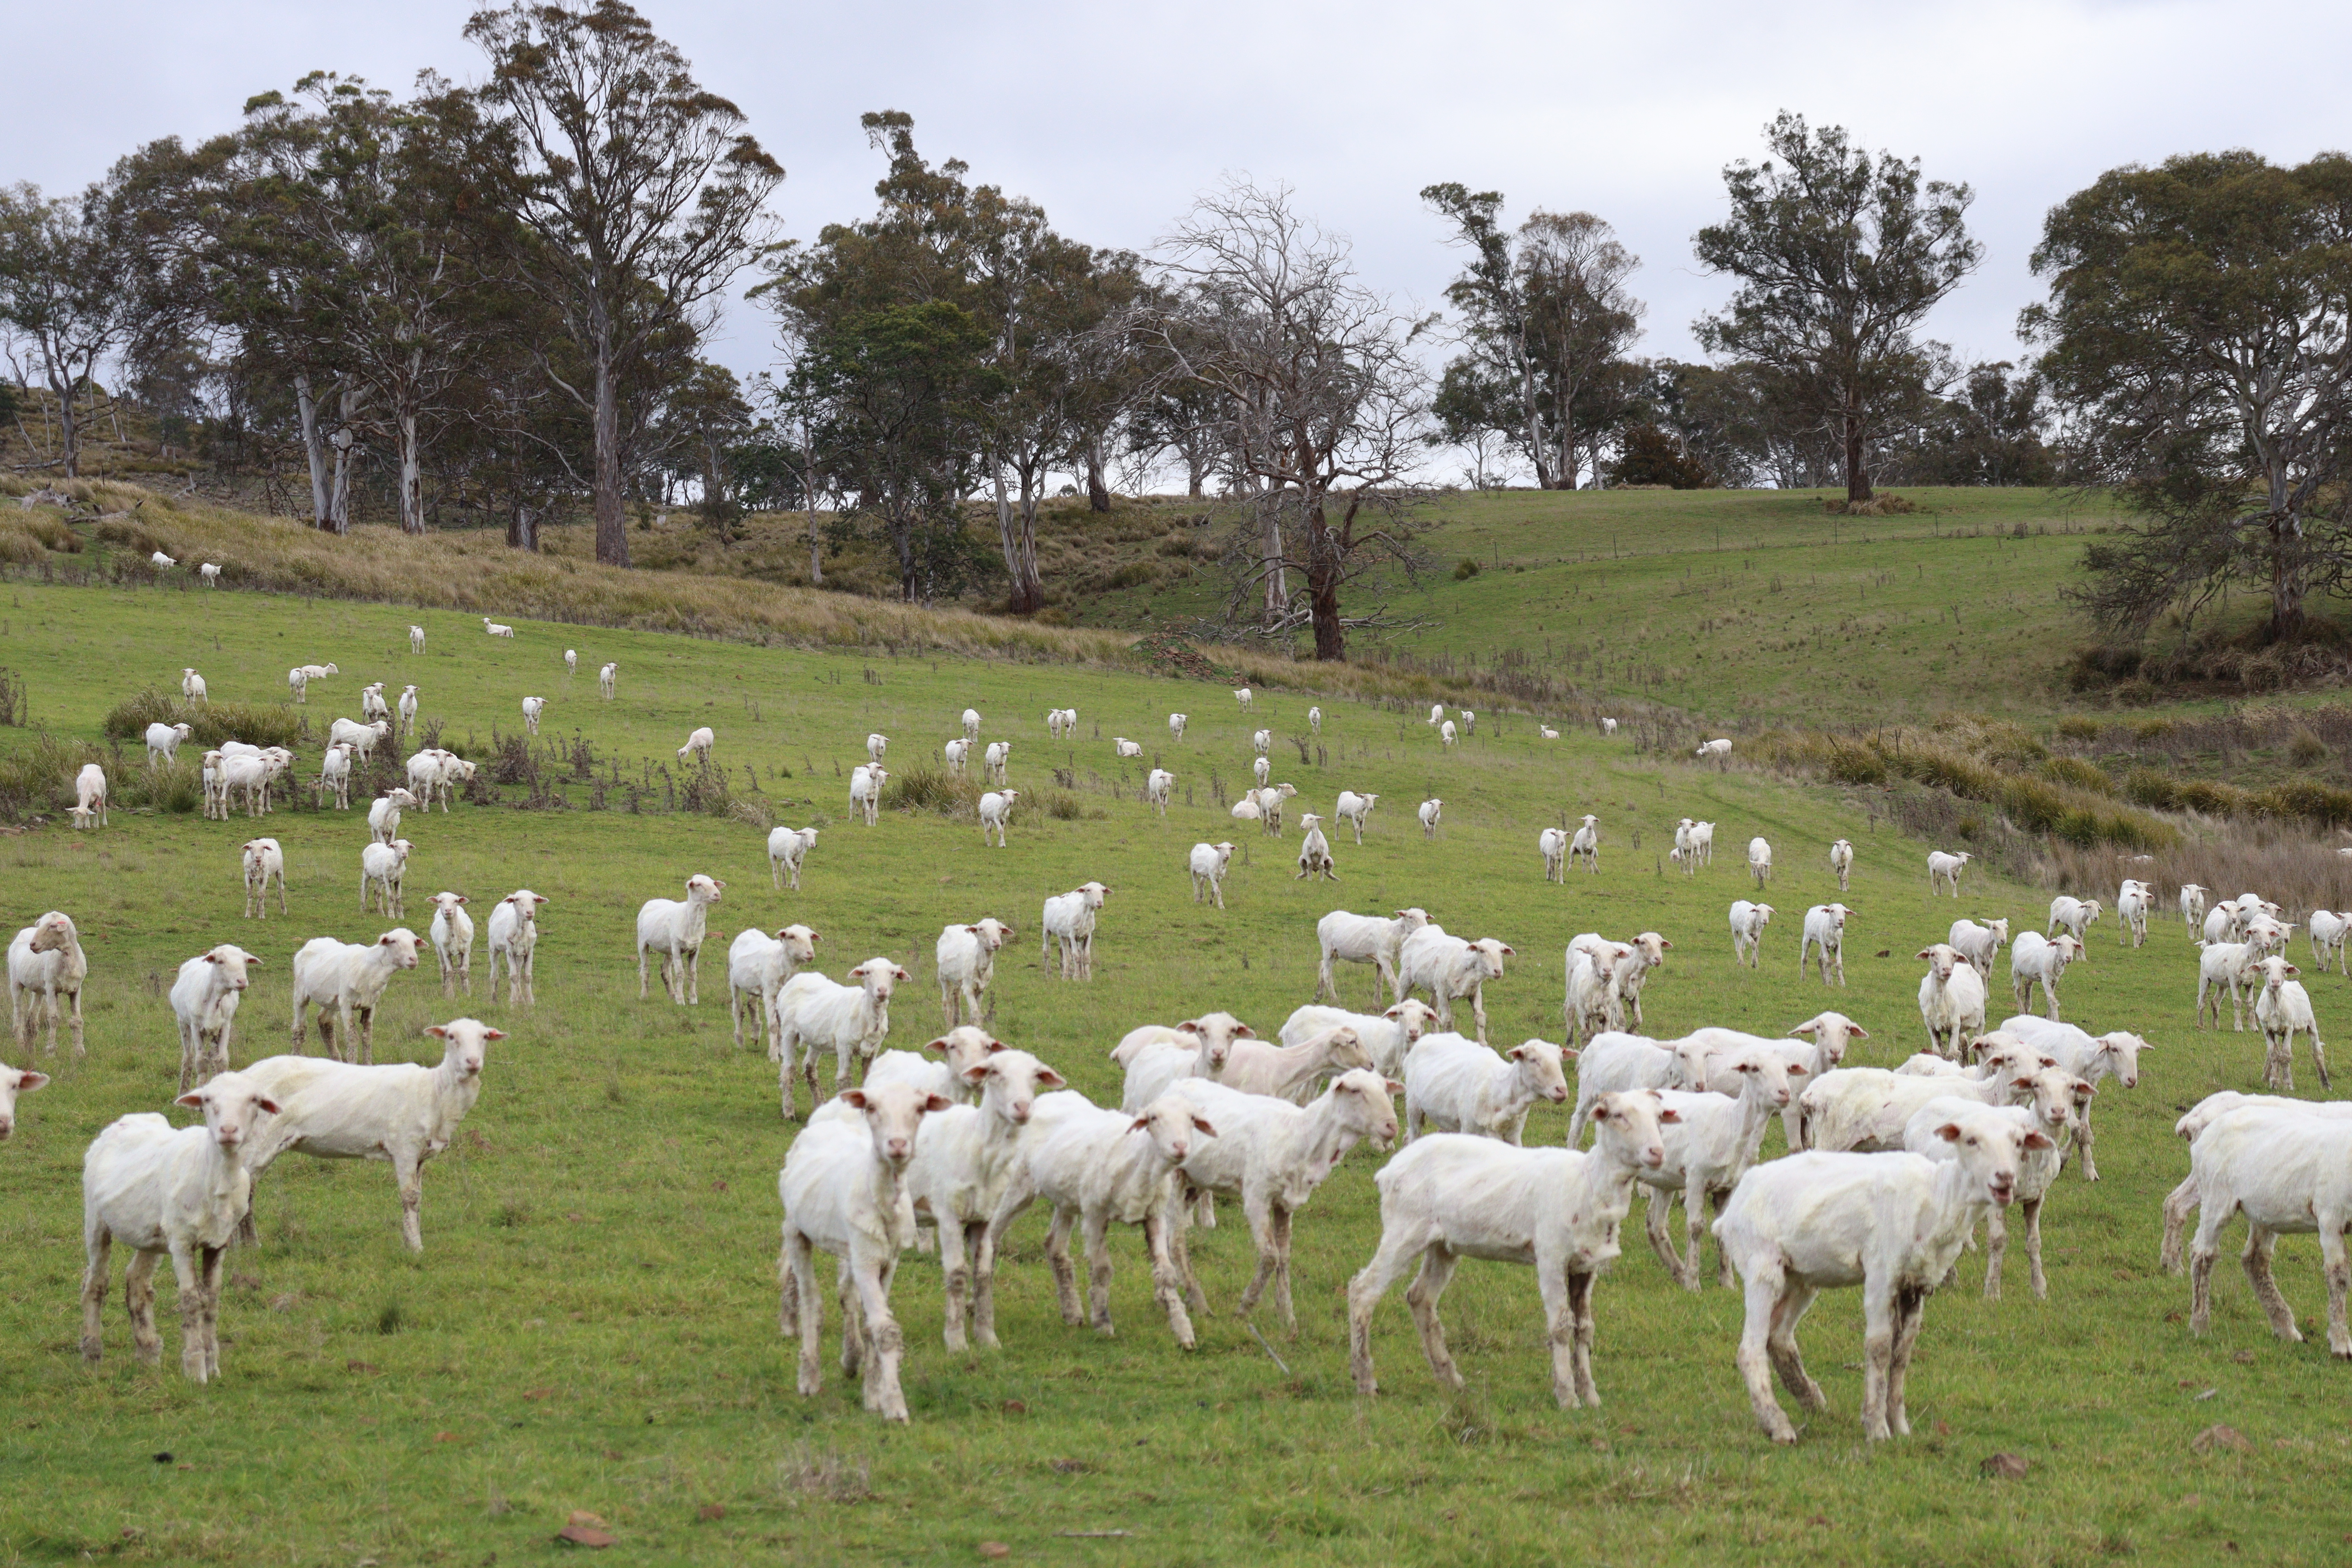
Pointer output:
x,y
2150,731
931,789
2215,799
1856,765
2146,786
2308,799
1134,575
2079,728
2079,774
1464,569
2306,749
255,723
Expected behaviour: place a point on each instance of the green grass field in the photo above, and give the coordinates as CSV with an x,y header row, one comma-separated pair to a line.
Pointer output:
x,y
593,1325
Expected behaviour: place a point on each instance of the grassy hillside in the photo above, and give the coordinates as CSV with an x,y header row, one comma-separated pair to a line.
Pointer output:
x,y
593,1325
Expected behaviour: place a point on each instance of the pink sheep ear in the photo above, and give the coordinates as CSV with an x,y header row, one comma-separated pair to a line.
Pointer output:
x,y
1950,1132
1141,1124
1243,1030
898,973
1670,1114
1858,1032
436,1031
854,1097
265,1103
1050,1079
974,1075
212,958
28,1080
1202,1123
939,1045
996,1045
1796,1070
1664,943
933,1102
2039,1141
192,1099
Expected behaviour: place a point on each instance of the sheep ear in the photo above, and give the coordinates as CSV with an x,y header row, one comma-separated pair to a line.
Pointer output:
x,y
1517,1053
1393,1011
1240,1030
436,1031
264,1103
2085,1088
939,1045
1857,1031
853,1098
1798,1070
898,973
933,1102
1926,952
1051,1078
1141,1124
212,958
1202,1123
192,1099
1670,1114
1950,1132
28,1080
1392,1085
494,1034
975,1075
2037,1140
973,930
2020,1083
1664,943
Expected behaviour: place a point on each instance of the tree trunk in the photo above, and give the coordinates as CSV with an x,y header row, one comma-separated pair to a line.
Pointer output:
x,y
808,494
1324,561
68,427
1018,531
522,527
1196,471
1097,492
306,407
1857,472
1278,590
1538,451
2286,576
612,512
412,475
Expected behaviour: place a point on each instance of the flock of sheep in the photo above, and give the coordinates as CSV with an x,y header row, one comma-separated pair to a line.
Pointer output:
x,y
1890,1171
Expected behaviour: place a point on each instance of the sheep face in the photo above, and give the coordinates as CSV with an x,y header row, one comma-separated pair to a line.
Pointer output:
x,y
891,1113
467,1042
1172,1126
15,1081
1008,1082
1990,1151
1628,1121
233,1105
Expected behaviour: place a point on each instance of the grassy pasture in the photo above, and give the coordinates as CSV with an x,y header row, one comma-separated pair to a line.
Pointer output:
x,y
593,1325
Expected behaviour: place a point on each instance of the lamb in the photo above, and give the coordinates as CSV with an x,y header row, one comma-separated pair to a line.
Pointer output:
x,y
1245,809
1552,845
1269,805
159,559
958,755
1608,726
1824,929
160,1190
350,977
2075,914
996,762
1271,1156
1157,785
1314,852
452,936
606,679
787,848
15,1081
1586,845
1592,1004
1893,1223
2132,904
495,628
1429,813
1262,770
1868,1108
1980,945
972,724
213,771
2091,1058
2037,1173
191,686
298,683
1447,733
1719,750
210,572
90,795
1436,711
1469,722
2291,1172
514,934
966,1159
1760,861
1450,969
532,707
571,661
403,1112
1208,863
1748,924
46,971
676,930
382,868
1446,1198
2327,929
205,996
416,639
812,1012
359,738
1702,847
1353,809
1951,999
2223,965
1627,976
966,964
1242,695
1364,939
1054,722
264,863
1547,732
383,813
372,702
699,744
1123,747
2035,960
1842,861
1386,1037
1458,1085
164,741
866,783
758,965
1288,1072
843,1191
2192,908
1176,722
875,745
995,811
1710,1147
1315,720
1155,1055
1068,922
2282,1006
334,778
1945,870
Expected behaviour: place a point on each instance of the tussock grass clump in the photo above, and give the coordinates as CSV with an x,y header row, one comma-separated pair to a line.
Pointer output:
x,y
38,778
934,790
255,723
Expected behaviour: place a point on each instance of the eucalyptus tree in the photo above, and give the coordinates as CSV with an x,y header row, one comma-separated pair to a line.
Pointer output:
x,y
64,290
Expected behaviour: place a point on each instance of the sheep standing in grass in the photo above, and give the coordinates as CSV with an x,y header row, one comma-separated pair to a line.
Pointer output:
x,y
1825,930
191,686
514,935
15,1081
181,1193
351,978
532,707
1451,970
2132,902
334,778
416,639
46,971
164,741
2281,1009
571,661
407,711
1364,939
1717,751
1552,845
866,783
1262,770
452,936
812,1012
2224,966
1176,722
1353,808
372,703
2076,915
1980,945
787,848
1841,862
1586,846
2327,929
1429,813
1315,851
2036,960
1448,736
1748,923
676,928
1208,864
382,870
1388,1037
1157,785
876,745
264,863
90,795
758,965
1711,1147
2093,1058
1068,922
971,723
699,744
966,1158
995,811
966,965
2289,1171
2192,908
1944,871
997,761
205,996
1458,1085
1759,862
1951,1000
958,755
605,679
384,812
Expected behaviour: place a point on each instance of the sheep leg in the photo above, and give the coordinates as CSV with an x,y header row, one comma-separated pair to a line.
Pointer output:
x,y
367,1035
97,1241
2318,1051
2032,1215
1767,1297
1066,1276
2082,1140
1882,1315
1694,1232
2338,1269
783,1050
2260,1244
694,977
1281,1217
73,1018
1167,1279
1722,1259
641,973
957,1239
1996,1246
1911,1306
139,1301
408,1171
1437,1266
1097,1225
801,1309
1795,1302
189,1270
209,1260
2177,1203
886,1342
1655,1218
1478,1011
853,1322
2202,1255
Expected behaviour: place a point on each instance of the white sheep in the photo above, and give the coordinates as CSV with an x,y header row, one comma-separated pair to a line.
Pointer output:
x,y
2328,928
351,978
1748,924
787,848
1447,734
2132,902
372,702
1157,786
1123,747
2192,908
1710,1146
1315,720
1459,1085
514,936
996,762
1760,861
1702,847
159,559
359,738
1068,923
90,795
605,679
1945,870
532,707
497,628
1951,999
1841,862
958,756
1825,930
407,711
1451,970
1176,722
383,869
1552,845
2091,1057
966,1158
2224,966
2037,1172
383,813
15,1081
334,778
401,1112
2183,1199
1627,974
2076,914
866,783
1054,722
972,724
966,965
1262,770
1429,813
1446,1198
1547,732
1586,845
2290,1173
676,927
699,744
1980,945
1289,1072
204,998
1269,806
2283,1008
758,965
46,969
812,1012
995,811
571,661
1387,1039
1208,864
297,681
1718,749
1261,742
1155,1055
164,1191
2036,960
264,862
164,741
1353,808
192,685
213,771
1315,851
843,1189
875,746
1364,939
1247,699
415,639
1893,1223
1867,1107
1592,1006
1436,711
452,936
1270,1155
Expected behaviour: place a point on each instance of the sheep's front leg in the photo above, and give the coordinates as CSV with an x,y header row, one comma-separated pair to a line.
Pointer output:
x,y
138,1302
1066,1276
810,1311
1911,1306
97,1242
885,1342
955,1269
1258,1213
2260,1244
1694,1232
1167,1279
1657,1218
783,1049
408,1171
1796,1300
694,977
641,973
1437,1266
367,1035
1281,1228
1881,1318
2032,1215
1996,1246
189,1272
1478,1011
2318,1051
2338,1269
853,1322
2177,1203
2082,1136
1560,1330
210,1259
1097,1233
1580,1300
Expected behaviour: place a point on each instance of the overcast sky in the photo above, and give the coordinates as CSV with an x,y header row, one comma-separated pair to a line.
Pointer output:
x,y
1113,118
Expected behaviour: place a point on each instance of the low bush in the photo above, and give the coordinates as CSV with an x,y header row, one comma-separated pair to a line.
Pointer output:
x,y
255,723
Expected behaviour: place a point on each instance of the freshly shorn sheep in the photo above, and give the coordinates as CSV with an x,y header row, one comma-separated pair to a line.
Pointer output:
x,y
758,964
1759,862
843,1189
2327,929
452,936
812,1012
2183,1201
1748,923
2192,908
1586,845
1157,785
264,862
1451,970
384,812
1386,1037
676,927
1449,1198
1207,864
2132,903
164,1191
1353,808
1944,871
164,741
1552,845
1176,722
204,998
1893,1223
2037,1172
532,707
350,977
1429,813
1864,1109
2075,914
15,1081
787,848
1590,1005
958,756
2093,1058
514,935
995,813
1364,939
1068,920
403,1112
997,760
334,778
966,1158
1980,945
1710,1147
2281,1009
866,783
2034,958
1315,851
605,677
1842,861
966,962
1458,1085
2224,966
1824,930
2290,1173
90,795
1289,1072
47,968
1154,1056
383,868
699,744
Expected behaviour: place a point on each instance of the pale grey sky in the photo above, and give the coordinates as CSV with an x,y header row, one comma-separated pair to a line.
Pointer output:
x,y
1114,118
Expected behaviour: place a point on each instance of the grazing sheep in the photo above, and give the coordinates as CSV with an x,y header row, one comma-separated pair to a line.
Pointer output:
x,y
1244,696
90,795
1447,734
514,935
1429,812
1315,720
676,927
1364,939
46,971
2076,914
1608,726
1842,861
972,724
204,998
787,848
1748,924
159,559
699,744
1547,732
1208,864
265,863
1718,749
532,707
